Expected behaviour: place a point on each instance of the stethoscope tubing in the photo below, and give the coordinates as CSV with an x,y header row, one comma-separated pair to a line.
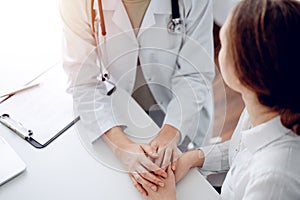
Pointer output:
x,y
102,20
175,9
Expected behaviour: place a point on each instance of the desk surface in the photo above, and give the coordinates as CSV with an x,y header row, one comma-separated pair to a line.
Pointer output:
x,y
66,170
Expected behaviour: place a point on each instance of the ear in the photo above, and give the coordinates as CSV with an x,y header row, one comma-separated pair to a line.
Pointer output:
x,y
239,83
238,86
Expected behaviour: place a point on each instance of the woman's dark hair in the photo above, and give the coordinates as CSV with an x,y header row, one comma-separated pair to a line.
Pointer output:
x,y
264,42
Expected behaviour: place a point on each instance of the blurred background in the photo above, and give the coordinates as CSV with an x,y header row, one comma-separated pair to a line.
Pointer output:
x,y
30,40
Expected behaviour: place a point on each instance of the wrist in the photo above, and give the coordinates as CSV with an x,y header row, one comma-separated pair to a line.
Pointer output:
x,y
116,138
197,158
171,131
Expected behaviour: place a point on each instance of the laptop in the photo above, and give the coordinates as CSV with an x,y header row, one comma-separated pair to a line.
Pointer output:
x,y
11,164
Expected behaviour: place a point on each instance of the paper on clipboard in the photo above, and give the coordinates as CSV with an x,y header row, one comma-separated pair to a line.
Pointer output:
x,y
45,109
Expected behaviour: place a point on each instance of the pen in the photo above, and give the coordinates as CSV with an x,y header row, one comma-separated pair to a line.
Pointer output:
x,y
19,89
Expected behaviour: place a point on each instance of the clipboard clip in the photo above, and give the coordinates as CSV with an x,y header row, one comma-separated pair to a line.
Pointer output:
x,y
27,134
15,126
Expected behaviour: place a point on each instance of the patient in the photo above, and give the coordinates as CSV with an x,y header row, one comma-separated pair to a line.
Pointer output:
x,y
259,59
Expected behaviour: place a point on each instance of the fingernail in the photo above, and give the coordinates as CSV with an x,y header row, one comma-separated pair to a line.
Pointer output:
x,y
155,154
173,167
161,184
154,144
153,188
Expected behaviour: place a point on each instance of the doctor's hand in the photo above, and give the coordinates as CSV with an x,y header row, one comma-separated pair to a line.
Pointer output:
x,y
165,144
166,193
137,159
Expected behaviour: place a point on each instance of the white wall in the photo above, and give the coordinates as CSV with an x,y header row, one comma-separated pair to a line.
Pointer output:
x,y
30,39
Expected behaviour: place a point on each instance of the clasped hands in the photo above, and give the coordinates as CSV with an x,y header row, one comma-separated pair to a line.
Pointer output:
x,y
157,181
147,163
149,169
155,167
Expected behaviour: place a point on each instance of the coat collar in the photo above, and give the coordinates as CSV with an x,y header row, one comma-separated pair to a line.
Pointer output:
x,y
120,17
158,6
264,134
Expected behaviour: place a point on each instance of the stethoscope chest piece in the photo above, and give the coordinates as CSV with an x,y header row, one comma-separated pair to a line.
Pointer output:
x,y
110,85
175,26
103,77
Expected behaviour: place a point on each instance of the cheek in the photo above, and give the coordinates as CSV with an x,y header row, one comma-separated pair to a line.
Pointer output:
x,y
221,58
227,69
223,63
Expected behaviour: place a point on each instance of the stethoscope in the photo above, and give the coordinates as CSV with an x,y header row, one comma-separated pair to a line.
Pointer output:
x,y
175,26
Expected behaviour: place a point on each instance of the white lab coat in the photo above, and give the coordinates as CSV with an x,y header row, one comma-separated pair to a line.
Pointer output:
x,y
179,70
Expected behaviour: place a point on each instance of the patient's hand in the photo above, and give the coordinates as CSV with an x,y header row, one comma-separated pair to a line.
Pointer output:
x,y
187,161
168,192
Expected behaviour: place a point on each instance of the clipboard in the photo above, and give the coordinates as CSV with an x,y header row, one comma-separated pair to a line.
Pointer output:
x,y
41,114
27,134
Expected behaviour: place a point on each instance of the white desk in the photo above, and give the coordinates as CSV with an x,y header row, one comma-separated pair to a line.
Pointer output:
x,y
65,170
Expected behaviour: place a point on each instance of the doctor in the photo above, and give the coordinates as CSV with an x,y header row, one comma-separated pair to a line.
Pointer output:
x,y
163,69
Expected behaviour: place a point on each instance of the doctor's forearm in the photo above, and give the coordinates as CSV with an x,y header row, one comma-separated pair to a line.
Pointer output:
x,y
116,138
168,133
